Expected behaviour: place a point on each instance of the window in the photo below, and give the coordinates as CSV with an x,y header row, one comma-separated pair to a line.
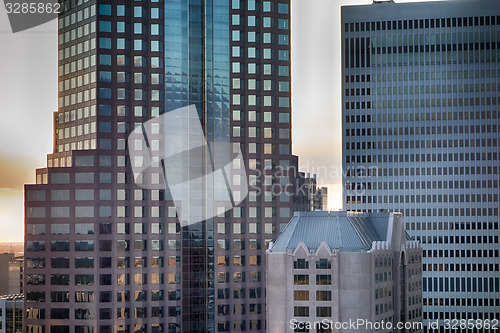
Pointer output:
x,y
59,262
282,8
138,11
105,26
84,279
283,39
301,295
301,264
83,194
35,229
59,279
84,245
323,295
301,279
323,264
59,229
59,246
323,279
105,10
301,311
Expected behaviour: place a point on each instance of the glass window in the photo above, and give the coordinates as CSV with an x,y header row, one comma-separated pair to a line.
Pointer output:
x,y
59,178
121,43
105,43
121,10
138,11
59,212
301,295
266,6
155,13
121,27
84,245
84,194
283,39
84,262
236,19
35,229
284,55
266,22
323,279
155,29
236,36
104,26
267,37
282,8
84,229
59,195
252,21
283,24
284,86
104,76
105,10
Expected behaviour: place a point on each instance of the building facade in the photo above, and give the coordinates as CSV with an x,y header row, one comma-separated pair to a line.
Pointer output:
x,y
10,274
103,253
11,314
329,270
420,117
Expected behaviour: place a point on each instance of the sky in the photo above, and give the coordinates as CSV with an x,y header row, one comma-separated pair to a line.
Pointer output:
x,y
28,97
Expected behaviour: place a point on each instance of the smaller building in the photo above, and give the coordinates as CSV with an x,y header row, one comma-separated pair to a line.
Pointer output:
x,y
321,198
10,274
328,270
11,314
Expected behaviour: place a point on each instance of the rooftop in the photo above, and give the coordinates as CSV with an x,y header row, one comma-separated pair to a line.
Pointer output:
x,y
345,231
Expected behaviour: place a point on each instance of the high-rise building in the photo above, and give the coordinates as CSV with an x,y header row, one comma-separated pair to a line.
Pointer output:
x,y
420,113
344,272
104,253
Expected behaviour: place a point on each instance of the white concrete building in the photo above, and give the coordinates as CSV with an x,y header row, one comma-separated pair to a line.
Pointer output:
x,y
328,270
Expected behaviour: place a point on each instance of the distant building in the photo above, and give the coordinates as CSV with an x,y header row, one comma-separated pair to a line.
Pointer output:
x,y
317,196
10,274
337,267
321,198
11,314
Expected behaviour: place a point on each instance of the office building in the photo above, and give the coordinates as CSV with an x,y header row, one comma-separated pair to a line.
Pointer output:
x,y
420,113
105,254
11,314
10,274
328,270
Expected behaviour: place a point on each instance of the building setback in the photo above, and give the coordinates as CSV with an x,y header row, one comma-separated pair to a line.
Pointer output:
x,y
329,270
420,113
102,253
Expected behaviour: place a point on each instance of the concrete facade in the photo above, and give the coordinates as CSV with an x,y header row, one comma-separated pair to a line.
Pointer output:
x,y
320,287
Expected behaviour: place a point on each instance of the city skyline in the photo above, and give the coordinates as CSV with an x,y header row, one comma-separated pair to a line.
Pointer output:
x,y
311,88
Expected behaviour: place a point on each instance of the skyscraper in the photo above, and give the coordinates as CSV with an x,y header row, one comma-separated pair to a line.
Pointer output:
x,y
104,253
421,116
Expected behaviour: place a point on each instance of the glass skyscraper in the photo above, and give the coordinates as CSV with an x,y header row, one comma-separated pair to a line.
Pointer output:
x,y
420,113
104,254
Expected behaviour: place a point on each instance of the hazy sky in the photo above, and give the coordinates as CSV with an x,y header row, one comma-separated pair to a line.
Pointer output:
x,y
28,96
